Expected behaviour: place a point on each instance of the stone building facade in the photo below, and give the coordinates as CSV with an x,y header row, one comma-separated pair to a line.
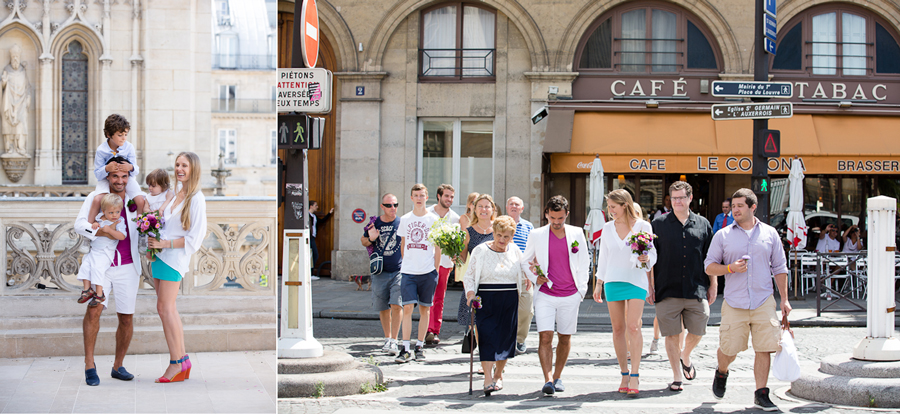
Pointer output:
x,y
433,91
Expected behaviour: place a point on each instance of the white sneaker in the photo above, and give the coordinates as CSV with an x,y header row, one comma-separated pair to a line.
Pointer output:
x,y
313,278
387,345
654,347
393,348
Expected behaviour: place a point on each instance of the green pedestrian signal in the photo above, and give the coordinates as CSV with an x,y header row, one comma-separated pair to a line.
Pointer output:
x,y
765,185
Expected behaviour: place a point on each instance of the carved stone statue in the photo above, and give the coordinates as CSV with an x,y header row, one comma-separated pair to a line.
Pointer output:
x,y
14,107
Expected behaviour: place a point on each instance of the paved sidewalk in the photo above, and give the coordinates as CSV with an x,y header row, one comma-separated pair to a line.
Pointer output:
x,y
221,382
340,300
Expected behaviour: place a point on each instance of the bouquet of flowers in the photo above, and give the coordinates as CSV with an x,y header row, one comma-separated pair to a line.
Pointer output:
x,y
449,237
640,243
476,303
148,225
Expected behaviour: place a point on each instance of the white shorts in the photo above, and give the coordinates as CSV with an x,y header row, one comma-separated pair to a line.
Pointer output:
x,y
561,310
123,281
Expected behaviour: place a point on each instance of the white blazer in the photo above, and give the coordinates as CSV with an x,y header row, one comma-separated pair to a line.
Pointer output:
x,y
539,244
83,227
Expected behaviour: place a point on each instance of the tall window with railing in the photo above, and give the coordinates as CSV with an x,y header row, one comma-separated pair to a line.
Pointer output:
x,y
228,145
458,43
837,41
646,38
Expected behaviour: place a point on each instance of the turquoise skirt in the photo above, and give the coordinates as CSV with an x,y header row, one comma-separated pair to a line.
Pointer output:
x,y
616,291
162,271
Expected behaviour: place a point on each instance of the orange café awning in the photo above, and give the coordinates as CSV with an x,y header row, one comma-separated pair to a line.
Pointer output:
x,y
694,143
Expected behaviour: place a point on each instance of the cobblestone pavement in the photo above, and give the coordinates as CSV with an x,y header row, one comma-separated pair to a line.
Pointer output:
x,y
440,383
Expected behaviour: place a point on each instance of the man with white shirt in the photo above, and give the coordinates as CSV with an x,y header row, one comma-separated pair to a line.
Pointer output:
x,y
828,241
418,271
558,255
124,279
514,208
445,193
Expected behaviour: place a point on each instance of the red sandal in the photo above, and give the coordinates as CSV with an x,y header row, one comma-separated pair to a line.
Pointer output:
x,y
86,295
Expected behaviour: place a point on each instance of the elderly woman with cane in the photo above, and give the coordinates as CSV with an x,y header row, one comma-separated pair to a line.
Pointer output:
x,y
495,275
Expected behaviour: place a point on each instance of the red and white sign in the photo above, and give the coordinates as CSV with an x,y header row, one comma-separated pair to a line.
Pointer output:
x,y
309,33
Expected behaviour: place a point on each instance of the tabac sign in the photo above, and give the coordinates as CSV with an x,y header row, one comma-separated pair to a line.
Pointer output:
x,y
304,90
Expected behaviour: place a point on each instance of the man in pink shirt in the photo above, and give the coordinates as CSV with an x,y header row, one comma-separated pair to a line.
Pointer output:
x,y
556,261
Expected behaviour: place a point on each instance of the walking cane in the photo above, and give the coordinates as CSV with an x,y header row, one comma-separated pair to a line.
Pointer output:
x,y
471,346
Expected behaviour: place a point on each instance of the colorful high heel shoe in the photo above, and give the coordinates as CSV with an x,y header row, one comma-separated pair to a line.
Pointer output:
x,y
186,366
624,389
179,377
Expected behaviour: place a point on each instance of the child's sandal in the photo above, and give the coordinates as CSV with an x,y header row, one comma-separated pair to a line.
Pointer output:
x,y
97,300
86,295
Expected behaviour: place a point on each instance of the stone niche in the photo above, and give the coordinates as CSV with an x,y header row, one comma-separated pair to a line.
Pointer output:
x,y
10,37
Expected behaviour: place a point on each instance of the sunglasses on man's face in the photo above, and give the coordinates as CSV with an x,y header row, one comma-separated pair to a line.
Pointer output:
x,y
389,205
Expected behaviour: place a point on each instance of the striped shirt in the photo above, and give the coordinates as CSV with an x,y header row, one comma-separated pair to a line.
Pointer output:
x,y
523,230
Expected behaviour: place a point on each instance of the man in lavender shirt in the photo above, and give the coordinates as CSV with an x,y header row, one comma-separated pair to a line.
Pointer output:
x,y
749,306
561,253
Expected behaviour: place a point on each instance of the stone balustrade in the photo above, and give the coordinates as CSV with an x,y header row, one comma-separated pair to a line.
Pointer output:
x,y
41,253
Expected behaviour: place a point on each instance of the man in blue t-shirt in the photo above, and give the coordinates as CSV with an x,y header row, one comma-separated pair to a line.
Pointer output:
x,y
514,208
382,235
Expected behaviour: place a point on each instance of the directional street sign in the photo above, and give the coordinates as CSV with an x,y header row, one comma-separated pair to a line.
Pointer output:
x,y
770,7
740,89
770,28
757,110
770,45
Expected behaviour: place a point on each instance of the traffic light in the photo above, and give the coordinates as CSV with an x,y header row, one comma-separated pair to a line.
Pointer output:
x,y
770,143
293,132
759,184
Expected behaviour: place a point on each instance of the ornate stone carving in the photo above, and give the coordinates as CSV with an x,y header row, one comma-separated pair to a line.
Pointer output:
x,y
16,100
238,261
14,112
27,270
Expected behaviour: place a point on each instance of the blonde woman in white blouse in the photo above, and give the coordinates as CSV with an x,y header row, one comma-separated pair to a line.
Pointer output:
x,y
495,274
180,237
627,286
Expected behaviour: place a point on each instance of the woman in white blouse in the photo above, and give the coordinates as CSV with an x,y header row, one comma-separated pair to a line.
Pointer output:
x,y
496,275
182,234
626,285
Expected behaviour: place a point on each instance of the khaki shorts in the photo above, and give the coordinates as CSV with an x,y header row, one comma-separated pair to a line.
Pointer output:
x,y
739,324
672,312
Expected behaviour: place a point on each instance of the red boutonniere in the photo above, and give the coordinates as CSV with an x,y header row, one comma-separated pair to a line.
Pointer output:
x,y
574,247
132,207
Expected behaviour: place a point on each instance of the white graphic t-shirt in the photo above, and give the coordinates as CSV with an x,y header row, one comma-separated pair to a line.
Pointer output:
x,y
418,257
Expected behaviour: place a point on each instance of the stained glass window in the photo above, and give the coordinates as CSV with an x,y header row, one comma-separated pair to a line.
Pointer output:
x,y
75,115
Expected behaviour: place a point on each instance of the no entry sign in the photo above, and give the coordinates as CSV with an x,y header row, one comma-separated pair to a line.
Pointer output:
x,y
309,33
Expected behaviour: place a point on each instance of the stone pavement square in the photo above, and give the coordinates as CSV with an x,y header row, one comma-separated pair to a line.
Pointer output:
x,y
221,382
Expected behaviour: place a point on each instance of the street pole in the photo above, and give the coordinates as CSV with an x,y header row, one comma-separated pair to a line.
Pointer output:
x,y
760,172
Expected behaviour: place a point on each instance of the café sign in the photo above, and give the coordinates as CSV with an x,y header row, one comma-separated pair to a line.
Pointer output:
x,y
681,88
723,164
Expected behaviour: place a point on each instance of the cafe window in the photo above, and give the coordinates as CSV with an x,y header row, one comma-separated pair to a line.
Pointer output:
x,y
457,43
457,152
837,41
647,39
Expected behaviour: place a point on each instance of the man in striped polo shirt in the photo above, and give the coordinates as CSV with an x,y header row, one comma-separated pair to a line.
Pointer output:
x,y
514,208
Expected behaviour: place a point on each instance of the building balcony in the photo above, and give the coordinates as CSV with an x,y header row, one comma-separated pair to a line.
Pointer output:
x,y
244,105
230,61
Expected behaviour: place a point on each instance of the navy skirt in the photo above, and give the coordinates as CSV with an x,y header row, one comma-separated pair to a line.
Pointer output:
x,y
497,321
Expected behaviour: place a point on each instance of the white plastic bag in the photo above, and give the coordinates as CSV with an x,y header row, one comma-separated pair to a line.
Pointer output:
x,y
786,366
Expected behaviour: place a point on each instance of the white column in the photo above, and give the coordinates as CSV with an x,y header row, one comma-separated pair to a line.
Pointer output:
x,y
47,168
878,344
296,340
2,257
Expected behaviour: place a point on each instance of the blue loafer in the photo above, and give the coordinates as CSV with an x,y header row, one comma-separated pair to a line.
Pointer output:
x,y
122,374
91,377
558,385
548,389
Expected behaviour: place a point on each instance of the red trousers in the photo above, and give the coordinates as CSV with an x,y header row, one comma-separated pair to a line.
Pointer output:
x,y
436,318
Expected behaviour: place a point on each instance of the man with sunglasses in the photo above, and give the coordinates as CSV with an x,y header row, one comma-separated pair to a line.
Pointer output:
x,y
382,235
828,241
